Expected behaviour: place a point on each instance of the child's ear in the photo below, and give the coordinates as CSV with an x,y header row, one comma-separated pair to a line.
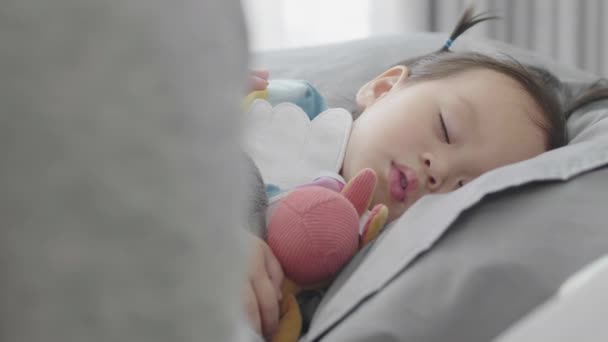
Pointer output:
x,y
383,83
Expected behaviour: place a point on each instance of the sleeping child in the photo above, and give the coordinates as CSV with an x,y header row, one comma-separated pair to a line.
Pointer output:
x,y
429,125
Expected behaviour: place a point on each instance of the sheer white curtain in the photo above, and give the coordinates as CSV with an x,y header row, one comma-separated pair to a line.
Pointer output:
x,y
277,24
572,32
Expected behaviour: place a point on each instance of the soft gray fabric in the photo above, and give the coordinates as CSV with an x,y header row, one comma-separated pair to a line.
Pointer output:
x,y
119,177
576,314
466,265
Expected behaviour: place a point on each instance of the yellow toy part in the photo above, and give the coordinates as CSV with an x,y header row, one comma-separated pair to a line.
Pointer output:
x,y
260,94
290,324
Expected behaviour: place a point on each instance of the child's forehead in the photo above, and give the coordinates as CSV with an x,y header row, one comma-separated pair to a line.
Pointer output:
x,y
479,78
481,74
486,85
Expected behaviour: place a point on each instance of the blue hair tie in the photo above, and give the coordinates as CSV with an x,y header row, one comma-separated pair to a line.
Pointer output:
x,y
448,43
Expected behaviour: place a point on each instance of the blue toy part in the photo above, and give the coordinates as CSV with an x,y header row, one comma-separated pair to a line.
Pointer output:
x,y
272,190
298,92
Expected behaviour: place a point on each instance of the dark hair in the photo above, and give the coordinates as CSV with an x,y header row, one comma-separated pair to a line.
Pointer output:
x,y
547,91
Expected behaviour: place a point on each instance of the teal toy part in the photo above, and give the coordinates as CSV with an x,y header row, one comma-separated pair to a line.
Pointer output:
x,y
299,92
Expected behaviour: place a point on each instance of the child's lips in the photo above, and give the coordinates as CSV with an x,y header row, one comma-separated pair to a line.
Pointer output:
x,y
402,182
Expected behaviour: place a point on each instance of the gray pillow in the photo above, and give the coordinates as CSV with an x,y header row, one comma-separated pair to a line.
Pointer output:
x,y
463,266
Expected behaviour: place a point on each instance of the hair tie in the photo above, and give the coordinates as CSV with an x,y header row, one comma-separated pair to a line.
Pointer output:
x,y
448,43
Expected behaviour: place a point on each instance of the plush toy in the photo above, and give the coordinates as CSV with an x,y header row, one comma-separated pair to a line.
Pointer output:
x,y
314,231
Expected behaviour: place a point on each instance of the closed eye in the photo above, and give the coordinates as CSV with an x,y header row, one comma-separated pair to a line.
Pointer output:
x,y
444,128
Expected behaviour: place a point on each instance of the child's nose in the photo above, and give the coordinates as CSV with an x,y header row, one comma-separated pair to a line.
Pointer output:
x,y
434,172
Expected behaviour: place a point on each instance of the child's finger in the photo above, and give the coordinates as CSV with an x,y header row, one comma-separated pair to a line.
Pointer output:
x,y
275,272
252,310
257,83
267,303
263,74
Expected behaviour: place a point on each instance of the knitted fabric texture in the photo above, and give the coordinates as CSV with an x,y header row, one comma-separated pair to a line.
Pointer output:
x,y
314,235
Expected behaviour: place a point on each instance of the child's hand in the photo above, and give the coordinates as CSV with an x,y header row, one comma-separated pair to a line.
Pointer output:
x,y
263,290
258,80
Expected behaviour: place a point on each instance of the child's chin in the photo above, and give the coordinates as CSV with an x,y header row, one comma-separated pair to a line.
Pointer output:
x,y
393,214
396,211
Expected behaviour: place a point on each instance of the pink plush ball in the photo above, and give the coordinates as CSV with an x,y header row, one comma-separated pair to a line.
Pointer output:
x,y
314,232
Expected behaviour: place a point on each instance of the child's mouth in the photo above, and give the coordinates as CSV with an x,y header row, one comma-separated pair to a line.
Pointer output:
x,y
402,181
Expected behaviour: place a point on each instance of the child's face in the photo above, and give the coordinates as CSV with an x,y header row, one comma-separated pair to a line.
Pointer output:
x,y
488,118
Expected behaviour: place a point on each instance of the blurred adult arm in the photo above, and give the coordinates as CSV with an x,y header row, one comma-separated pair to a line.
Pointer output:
x,y
120,174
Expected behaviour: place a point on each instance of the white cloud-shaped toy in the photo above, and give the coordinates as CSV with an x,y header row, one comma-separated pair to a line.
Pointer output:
x,y
289,148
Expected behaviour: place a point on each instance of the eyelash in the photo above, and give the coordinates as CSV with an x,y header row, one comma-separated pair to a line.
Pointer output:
x,y
444,128
447,139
